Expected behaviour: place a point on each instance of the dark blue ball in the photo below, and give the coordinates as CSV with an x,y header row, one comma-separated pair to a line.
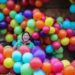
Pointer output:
x,y
37,42
42,34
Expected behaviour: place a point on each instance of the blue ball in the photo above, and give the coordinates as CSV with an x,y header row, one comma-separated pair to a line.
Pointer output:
x,y
3,1
16,56
14,42
49,49
27,57
42,34
66,24
61,25
72,8
37,42
39,72
17,67
19,18
1,16
73,25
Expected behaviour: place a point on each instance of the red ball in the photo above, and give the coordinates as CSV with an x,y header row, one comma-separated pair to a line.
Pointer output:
x,y
51,74
24,49
46,29
35,35
8,19
35,63
24,2
15,36
45,1
1,48
32,2
56,30
9,28
12,71
71,47
57,25
73,63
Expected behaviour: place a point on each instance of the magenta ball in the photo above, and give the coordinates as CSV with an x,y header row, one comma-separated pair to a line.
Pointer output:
x,y
46,29
70,32
8,19
71,47
43,17
59,74
45,1
57,25
73,63
56,45
35,10
35,35
1,58
54,19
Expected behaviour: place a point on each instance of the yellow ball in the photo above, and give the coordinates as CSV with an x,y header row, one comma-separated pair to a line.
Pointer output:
x,y
8,62
13,23
49,21
29,30
2,6
9,38
73,2
65,41
66,63
52,30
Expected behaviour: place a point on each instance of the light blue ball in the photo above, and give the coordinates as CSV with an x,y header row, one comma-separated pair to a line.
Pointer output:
x,y
19,18
3,1
66,24
16,56
49,49
72,8
17,67
39,72
14,42
27,57
61,25
53,57
1,16
73,25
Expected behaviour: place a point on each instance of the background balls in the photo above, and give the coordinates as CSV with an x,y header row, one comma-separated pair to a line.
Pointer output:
x,y
1,16
52,30
72,10
73,25
57,25
54,37
1,48
1,58
71,47
72,40
8,19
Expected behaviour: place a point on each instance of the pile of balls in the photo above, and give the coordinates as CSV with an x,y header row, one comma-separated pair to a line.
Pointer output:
x,y
32,61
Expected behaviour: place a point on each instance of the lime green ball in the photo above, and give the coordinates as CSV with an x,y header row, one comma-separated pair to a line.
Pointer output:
x,y
60,50
19,36
54,37
60,19
59,56
26,69
31,23
12,14
18,30
3,31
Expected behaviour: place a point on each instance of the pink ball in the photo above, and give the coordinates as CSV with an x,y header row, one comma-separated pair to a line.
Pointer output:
x,y
35,35
8,19
57,25
45,1
73,63
71,47
43,17
59,74
1,58
46,29
57,67
36,10
1,48
56,45
70,32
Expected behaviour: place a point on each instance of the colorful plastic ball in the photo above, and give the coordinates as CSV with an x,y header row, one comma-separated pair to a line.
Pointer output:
x,y
59,74
38,72
59,56
72,10
28,14
18,30
24,49
17,67
15,37
47,67
73,25
35,35
73,63
71,47
13,23
12,71
8,19
37,15
35,63
72,40
24,2
69,70
43,17
46,60
36,29
49,21
67,18
49,49
32,2
40,24
3,31
54,37
56,45
42,34
67,24
14,42
1,16
27,57
51,73
52,30
9,28
8,63
19,36
57,25
1,58
62,33
2,6
1,48
36,10
26,69
31,23
3,1
46,29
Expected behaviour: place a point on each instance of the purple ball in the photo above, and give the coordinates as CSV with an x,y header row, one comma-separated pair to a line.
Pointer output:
x,y
40,54
46,60
21,12
3,25
8,19
37,42
28,14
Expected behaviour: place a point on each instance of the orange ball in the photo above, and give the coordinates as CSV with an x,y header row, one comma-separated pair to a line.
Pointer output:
x,y
47,67
62,33
8,52
69,70
37,16
6,11
40,24
17,8
38,3
72,40
24,24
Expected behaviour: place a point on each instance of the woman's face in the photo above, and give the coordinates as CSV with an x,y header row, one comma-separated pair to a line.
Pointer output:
x,y
26,37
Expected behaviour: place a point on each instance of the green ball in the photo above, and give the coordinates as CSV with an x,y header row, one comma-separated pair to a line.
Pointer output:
x,y
12,14
54,37
30,45
19,36
36,29
3,31
60,50
18,30
59,56
59,19
26,69
54,53
31,23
